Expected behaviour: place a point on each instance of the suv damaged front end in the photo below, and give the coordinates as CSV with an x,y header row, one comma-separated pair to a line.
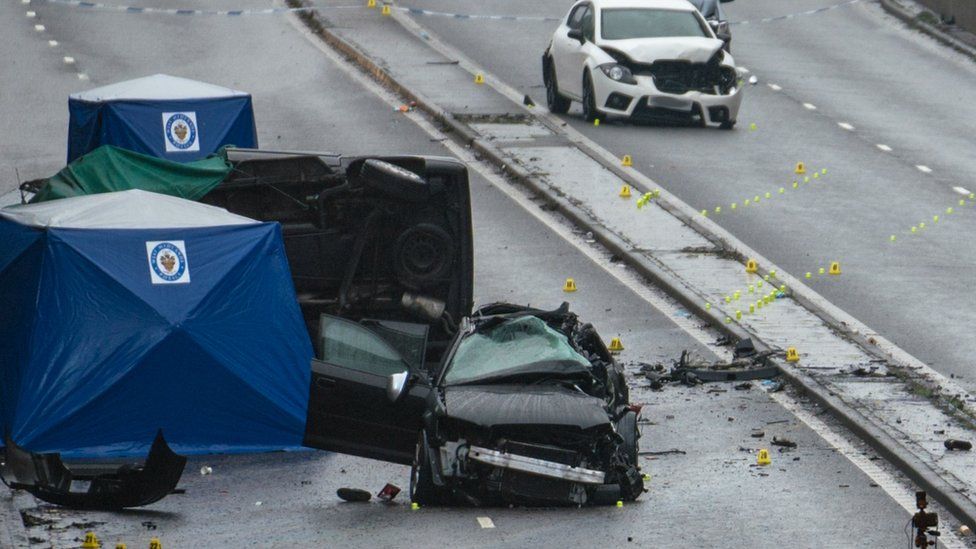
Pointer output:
x,y
544,422
680,78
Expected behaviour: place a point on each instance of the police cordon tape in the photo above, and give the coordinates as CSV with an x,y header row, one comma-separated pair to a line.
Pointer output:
x,y
386,8
183,12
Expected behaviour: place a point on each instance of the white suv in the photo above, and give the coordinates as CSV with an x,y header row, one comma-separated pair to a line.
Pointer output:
x,y
643,59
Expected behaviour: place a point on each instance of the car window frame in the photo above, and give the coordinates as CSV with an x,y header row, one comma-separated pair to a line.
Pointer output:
x,y
578,8
356,366
589,34
702,23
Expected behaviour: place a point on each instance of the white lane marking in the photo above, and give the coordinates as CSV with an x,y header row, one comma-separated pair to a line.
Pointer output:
x,y
775,87
25,1
652,295
961,190
883,147
82,76
846,126
743,69
31,15
52,43
486,522
885,480
809,106
924,169
39,28
68,60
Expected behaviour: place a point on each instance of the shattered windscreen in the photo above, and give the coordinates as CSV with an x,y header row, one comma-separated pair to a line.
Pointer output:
x,y
520,346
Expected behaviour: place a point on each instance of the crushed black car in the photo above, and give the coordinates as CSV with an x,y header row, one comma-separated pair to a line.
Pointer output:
x,y
525,407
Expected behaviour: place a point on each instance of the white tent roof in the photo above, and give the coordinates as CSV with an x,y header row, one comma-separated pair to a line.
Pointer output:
x,y
133,209
157,87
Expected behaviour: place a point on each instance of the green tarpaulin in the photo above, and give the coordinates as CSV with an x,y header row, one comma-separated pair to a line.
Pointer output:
x,y
109,169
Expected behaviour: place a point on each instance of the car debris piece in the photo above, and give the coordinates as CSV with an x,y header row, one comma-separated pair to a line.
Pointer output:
x,y
388,492
131,485
784,442
354,495
953,444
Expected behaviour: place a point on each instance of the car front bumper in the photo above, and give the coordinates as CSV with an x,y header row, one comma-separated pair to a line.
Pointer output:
x,y
644,101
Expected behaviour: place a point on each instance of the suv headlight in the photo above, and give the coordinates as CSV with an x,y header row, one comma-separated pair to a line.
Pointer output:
x,y
618,73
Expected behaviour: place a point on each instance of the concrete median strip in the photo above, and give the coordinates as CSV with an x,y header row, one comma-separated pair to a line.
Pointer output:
x,y
893,407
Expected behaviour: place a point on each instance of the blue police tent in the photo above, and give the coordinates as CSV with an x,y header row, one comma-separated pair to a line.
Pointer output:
x,y
127,312
160,115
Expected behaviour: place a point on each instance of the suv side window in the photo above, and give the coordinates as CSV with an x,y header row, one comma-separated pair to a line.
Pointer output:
x,y
576,16
588,25
350,345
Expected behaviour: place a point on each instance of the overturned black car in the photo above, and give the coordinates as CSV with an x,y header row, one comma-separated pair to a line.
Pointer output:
x,y
509,404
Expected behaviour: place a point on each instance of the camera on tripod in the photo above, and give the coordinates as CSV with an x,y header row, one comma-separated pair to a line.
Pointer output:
x,y
925,524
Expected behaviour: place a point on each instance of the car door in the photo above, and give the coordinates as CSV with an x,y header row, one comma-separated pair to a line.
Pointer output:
x,y
349,410
567,51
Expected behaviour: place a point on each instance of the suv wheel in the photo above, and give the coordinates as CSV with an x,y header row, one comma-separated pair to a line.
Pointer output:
x,y
554,100
590,112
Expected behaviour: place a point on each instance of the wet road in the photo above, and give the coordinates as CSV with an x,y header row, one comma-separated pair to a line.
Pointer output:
x,y
713,495
888,111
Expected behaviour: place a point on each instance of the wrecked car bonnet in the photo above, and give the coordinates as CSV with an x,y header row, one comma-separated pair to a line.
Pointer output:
x,y
493,405
648,50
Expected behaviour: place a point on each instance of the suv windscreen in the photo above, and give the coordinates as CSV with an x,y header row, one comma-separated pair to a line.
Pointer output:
x,y
514,347
625,24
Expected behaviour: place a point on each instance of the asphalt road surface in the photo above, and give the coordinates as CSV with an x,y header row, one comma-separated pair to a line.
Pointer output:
x,y
889,112
712,495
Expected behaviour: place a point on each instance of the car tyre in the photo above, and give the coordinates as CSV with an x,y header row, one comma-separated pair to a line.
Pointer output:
x,y
422,489
590,112
630,433
554,100
392,180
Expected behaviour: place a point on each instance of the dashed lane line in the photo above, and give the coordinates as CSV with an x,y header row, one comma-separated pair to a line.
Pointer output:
x,y
883,147
775,87
923,168
846,125
961,190
809,106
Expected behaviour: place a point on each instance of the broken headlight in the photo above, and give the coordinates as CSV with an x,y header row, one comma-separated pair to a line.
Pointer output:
x,y
618,73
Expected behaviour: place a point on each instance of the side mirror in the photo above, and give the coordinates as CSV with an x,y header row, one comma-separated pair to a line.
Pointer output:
x,y
576,34
396,384
714,24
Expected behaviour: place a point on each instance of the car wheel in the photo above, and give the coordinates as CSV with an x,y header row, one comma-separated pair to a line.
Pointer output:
x,y
392,180
590,112
554,100
422,489
424,256
628,430
727,125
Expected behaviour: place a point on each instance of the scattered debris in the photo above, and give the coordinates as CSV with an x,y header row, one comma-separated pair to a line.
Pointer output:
x,y
784,442
743,386
965,530
388,492
527,101
149,525
953,444
353,494
206,470
486,522
661,452
771,386
757,433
